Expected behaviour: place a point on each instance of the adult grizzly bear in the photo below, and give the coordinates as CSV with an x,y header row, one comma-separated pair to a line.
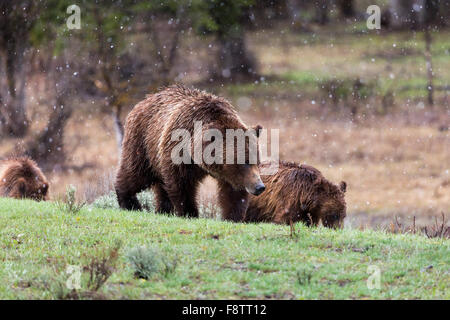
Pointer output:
x,y
148,144
22,178
299,193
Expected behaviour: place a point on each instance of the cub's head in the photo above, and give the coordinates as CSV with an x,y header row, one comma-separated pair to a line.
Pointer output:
x,y
332,207
22,178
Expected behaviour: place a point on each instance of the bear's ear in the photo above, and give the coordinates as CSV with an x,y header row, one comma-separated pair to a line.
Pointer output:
x,y
343,186
257,128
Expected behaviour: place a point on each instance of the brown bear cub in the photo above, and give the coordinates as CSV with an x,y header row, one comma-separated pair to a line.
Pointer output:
x,y
22,178
299,193
147,154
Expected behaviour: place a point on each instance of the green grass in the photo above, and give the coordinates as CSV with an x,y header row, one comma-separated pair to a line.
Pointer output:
x,y
214,259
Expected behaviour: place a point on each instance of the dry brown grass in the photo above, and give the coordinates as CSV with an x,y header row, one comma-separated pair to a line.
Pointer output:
x,y
392,168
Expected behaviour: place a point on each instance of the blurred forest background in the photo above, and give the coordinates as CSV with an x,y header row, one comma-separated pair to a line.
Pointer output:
x,y
370,107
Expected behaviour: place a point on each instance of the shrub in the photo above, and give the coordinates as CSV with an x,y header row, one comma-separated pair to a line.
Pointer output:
x,y
348,92
208,207
95,272
100,268
109,201
439,229
148,261
304,275
68,203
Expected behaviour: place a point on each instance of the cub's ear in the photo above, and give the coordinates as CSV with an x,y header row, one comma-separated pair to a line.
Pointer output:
x,y
45,188
257,128
343,186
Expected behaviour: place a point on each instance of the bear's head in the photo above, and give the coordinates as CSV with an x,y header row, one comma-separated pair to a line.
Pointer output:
x,y
331,206
23,179
240,159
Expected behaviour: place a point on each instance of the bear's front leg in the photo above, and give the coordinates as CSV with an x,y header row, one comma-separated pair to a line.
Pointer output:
x,y
128,201
310,220
234,203
130,180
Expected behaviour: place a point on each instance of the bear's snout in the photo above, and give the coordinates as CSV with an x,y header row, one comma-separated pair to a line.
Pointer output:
x,y
257,190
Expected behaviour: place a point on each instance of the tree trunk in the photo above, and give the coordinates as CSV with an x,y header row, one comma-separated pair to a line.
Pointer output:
x,y
406,13
109,78
431,14
429,66
294,8
166,61
321,12
16,21
347,8
13,119
48,147
118,127
430,19
234,61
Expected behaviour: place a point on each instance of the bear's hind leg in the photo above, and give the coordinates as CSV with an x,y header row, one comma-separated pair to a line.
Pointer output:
x,y
163,203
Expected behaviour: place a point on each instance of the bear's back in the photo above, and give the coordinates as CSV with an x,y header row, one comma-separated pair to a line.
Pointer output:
x,y
290,173
177,107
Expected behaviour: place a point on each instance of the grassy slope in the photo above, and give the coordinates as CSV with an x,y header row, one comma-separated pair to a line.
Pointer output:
x,y
246,261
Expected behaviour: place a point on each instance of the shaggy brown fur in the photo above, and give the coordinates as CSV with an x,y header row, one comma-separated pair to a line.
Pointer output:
x,y
147,146
298,193
22,178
